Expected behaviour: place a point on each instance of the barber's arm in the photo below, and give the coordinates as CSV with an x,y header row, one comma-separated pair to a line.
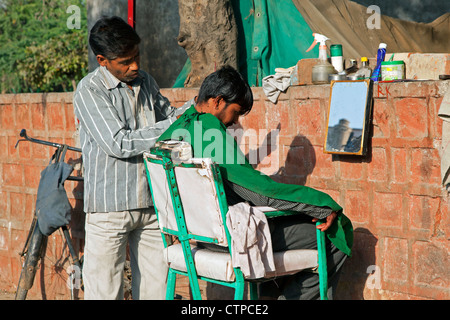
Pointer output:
x,y
96,113
163,108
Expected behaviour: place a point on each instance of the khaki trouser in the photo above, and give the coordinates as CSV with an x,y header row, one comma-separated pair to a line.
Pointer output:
x,y
107,236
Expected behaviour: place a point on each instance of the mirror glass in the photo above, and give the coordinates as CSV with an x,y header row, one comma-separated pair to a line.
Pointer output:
x,y
348,117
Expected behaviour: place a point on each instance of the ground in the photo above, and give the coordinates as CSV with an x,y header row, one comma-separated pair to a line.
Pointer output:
x,y
4,295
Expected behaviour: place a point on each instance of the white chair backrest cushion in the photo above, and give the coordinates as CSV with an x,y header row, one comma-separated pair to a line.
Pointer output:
x,y
198,196
161,196
200,201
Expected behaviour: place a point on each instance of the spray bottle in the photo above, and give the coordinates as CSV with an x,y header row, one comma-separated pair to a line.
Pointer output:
x,y
381,53
323,68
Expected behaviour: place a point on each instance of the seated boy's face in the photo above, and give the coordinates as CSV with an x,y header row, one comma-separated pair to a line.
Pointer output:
x,y
228,114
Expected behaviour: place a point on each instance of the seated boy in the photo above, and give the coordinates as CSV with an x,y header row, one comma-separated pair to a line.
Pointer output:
x,y
223,97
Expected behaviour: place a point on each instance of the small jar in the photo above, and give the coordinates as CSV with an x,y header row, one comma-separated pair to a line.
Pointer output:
x,y
392,70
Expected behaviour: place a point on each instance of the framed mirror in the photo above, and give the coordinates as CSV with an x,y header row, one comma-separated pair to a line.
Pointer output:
x,y
348,117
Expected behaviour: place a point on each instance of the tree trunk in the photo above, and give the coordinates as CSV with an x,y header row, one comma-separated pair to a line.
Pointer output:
x,y
208,33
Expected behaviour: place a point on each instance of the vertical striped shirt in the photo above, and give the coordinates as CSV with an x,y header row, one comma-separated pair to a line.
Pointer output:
x,y
117,124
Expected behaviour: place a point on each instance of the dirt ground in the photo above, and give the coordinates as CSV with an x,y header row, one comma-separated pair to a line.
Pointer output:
x,y
4,295
182,290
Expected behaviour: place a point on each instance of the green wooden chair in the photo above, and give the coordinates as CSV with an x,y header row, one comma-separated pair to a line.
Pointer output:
x,y
191,205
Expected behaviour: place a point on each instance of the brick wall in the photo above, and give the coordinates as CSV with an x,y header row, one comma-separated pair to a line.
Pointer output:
x,y
48,117
393,195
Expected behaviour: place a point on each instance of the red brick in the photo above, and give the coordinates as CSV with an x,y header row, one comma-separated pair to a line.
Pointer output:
x,y
425,166
444,226
256,118
357,206
423,212
395,258
56,116
309,92
381,118
4,148
30,206
387,210
324,167
70,118
5,273
12,151
411,117
12,174
23,149
23,117
352,169
277,116
415,90
377,169
180,95
400,165
4,214
38,116
39,151
17,206
4,238
309,119
435,121
431,264
33,175
7,116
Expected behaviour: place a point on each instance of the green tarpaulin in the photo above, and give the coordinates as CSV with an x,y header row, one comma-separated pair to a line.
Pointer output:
x,y
272,34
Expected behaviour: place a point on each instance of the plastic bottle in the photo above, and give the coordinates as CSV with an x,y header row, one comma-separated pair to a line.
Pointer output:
x,y
380,58
365,71
337,60
323,68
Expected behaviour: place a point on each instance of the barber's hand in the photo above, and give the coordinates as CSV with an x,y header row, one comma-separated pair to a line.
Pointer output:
x,y
327,223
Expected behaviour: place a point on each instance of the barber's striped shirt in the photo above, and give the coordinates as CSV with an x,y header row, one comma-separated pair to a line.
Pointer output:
x,y
117,125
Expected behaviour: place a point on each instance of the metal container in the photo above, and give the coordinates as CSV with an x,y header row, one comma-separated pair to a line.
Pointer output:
x,y
355,77
335,76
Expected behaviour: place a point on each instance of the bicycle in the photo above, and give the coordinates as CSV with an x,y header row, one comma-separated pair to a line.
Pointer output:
x,y
36,242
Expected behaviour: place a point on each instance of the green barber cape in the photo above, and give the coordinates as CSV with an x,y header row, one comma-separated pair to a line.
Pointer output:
x,y
209,139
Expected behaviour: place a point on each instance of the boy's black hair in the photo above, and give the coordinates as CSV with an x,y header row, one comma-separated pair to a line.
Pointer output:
x,y
228,84
112,37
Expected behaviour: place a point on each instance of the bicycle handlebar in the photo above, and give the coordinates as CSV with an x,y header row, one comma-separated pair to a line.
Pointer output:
x,y
23,134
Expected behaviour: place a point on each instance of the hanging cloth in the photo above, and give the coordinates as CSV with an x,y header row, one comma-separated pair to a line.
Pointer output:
x,y
52,205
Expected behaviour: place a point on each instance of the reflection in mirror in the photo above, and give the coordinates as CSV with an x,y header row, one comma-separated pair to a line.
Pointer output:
x,y
348,117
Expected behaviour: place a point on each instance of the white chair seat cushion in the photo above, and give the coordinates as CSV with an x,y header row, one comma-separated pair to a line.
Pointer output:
x,y
217,265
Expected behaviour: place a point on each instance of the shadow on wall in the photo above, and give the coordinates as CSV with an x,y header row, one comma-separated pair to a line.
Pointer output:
x,y
360,272
299,163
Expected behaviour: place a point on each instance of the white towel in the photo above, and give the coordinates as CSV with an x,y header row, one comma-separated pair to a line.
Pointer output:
x,y
251,243
273,85
444,114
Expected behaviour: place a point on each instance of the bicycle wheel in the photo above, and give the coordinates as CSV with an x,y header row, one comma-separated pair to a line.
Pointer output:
x,y
33,251
60,276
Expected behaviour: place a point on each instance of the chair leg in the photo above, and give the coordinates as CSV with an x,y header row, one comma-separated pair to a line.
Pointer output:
x,y
323,273
195,289
171,282
239,290
253,290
